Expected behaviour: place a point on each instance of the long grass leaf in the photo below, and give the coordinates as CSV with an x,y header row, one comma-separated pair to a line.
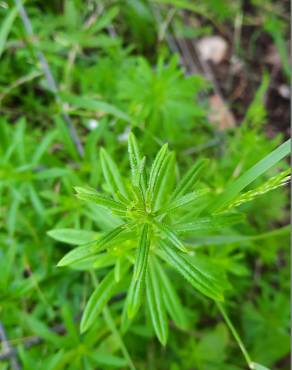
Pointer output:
x,y
250,175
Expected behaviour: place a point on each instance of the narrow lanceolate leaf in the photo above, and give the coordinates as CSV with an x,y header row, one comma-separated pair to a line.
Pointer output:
x,y
142,252
273,183
200,279
188,181
83,252
78,254
170,236
161,185
73,236
137,167
166,182
207,223
138,279
98,300
89,194
155,173
111,173
182,201
171,299
156,304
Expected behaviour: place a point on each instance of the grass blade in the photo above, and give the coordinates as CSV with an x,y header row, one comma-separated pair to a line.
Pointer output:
x,y
273,183
250,175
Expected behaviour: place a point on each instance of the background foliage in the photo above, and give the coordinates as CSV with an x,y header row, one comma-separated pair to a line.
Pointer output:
x,y
116,72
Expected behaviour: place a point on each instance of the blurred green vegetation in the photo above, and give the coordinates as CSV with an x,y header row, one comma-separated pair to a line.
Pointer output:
x,y
116,74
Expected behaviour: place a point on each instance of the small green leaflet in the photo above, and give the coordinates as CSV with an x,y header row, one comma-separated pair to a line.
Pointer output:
x,y
155,173
105,359
181,201
160,187
170,236
111,173
166,182
83,252
189,179
156,304
137,166
73,236
208,223
89,194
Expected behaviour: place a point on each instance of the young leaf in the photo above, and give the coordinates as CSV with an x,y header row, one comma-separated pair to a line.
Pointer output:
x,y
156,304
155,173
200,279
166,182
111,173
171,237
207,223
181,201
77,255
142,252
108,360
188,181
89,194
72,236
83,252
161,185
98,300
171,299
135,161
138,279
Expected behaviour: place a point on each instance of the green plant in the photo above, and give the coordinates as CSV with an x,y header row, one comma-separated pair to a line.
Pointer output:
x,y
158,217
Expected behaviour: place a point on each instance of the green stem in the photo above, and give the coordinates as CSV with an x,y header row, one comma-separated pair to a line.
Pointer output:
x,y
112,326
235,335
